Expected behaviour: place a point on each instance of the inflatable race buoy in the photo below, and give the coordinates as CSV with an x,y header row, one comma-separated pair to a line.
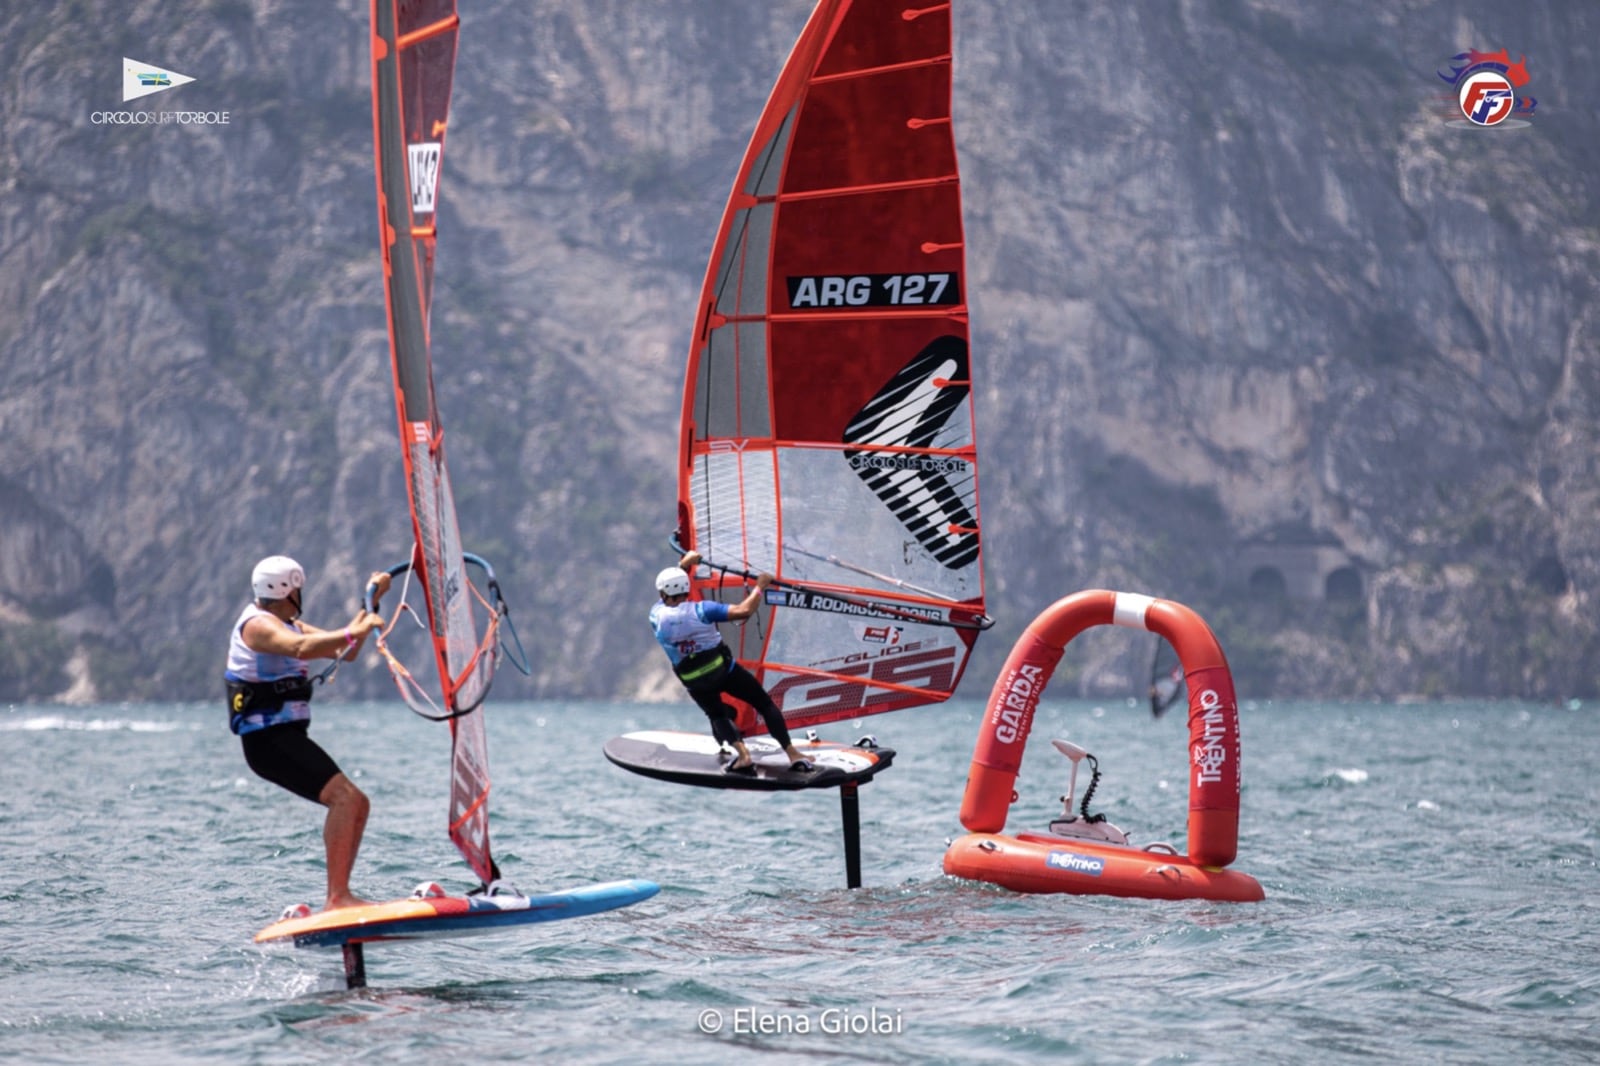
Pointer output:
x,y
1084,855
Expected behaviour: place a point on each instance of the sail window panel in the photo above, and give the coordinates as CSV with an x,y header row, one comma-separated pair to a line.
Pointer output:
x,y
429,521
753,264
835,526
462,642
458,600
741,289
767,171
450,603
748,641
755,414
893,126
731,384
716,405
725,290
735,500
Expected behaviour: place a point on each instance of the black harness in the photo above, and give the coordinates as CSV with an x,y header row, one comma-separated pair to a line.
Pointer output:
x,y
704,669
254,697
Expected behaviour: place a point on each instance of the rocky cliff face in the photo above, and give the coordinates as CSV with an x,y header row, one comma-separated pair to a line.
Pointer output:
x,y
1255,330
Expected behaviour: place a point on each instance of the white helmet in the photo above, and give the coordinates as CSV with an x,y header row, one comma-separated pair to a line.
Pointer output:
x,y
275,577
673,581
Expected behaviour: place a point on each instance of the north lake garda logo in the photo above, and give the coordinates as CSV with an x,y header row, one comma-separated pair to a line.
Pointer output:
x,y
141,79
1489,90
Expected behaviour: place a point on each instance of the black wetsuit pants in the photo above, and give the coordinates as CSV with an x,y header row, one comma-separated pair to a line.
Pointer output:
x,y
741,684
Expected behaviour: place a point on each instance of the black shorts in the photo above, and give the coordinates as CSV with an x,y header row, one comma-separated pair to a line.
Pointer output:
x,y
288,757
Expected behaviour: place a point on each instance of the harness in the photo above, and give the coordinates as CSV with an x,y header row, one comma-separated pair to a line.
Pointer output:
x,y
253,697
701,669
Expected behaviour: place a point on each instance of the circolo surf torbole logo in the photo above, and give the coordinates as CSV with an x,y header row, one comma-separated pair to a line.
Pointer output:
x,y
140,79
1490,90
145,79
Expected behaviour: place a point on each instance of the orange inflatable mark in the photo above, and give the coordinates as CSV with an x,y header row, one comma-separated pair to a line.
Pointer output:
x,y
1213,714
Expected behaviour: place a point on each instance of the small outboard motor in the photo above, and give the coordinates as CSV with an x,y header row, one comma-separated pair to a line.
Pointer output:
x,y
1083,825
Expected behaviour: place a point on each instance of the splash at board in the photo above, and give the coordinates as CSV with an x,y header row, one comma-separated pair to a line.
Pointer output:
x,y
826,434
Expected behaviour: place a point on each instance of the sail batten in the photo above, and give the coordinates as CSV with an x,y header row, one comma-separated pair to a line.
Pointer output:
x,y
828,433
417,36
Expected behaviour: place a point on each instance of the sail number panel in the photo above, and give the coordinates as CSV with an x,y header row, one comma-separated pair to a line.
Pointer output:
x,y
874,290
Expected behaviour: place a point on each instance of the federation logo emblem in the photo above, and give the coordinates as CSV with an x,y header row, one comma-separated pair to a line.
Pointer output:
x,y
1489,90
1487,98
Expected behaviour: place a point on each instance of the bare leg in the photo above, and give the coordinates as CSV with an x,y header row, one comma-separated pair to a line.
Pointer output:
x,y
743,758
341,834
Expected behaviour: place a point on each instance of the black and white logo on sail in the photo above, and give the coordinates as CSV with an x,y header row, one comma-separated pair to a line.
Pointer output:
x,y
423,159
926,492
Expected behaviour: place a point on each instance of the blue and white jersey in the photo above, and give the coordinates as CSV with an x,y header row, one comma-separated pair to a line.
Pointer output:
x,y
247,665
688,628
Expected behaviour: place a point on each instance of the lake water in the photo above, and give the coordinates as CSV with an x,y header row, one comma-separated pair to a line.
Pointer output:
x,y
1430,870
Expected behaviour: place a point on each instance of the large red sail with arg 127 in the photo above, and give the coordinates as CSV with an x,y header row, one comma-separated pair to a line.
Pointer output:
x,y
827,426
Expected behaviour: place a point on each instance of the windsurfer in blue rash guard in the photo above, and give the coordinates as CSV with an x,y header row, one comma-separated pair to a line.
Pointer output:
x,y
269,694
687,631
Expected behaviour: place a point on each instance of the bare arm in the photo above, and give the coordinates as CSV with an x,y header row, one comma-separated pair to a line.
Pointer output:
x,y
267,638
274,638
380,581
747,606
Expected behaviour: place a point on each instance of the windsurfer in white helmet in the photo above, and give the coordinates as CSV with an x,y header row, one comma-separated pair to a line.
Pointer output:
x,y
687,631
269,694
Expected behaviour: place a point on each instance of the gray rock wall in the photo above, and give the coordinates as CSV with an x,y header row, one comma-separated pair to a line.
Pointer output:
x,y
1235,287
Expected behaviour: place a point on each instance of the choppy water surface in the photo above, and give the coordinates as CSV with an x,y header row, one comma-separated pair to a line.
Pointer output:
x,y
1431,878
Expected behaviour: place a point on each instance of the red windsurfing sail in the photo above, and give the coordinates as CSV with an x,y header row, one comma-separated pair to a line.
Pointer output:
x,y
827,431
413,64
